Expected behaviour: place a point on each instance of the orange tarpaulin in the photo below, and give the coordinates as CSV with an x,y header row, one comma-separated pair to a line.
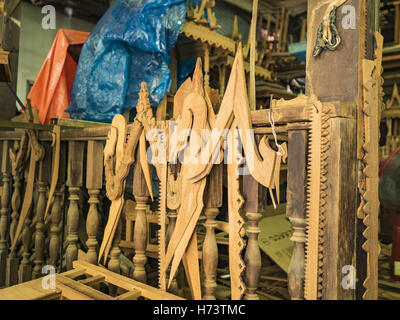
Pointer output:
x,y
52,89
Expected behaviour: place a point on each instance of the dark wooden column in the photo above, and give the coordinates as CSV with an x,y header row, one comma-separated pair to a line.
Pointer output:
x,y
4,211
336,76
295,210
74,183
255,197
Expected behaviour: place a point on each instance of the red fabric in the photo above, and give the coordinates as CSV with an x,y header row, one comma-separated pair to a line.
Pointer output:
x,y
52,89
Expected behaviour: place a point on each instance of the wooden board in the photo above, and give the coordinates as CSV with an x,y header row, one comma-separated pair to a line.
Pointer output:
x,y
274,239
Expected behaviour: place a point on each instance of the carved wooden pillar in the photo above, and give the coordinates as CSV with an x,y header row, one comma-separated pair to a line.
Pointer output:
x,y
94,183
57,210
210,248
74,183
140,193
295,209
5,199
44,177
254,195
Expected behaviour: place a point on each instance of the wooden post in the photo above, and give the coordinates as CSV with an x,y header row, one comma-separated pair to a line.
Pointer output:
x,y
57,209
114,264
44,177
210,248
253,196
74,183
342,69
5,199
140,193
16,197
295,210
94,183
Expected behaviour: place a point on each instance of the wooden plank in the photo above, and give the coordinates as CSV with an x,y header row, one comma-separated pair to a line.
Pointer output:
x,y
74,290
31,290
130,295
340,230
126,283
74,273
281,115
92,280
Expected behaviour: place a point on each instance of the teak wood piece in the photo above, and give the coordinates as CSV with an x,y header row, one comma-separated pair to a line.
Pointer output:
x,y
43,183
183,242
120,281
74,183
120,151
5,199
369,207
210,248
295,210
140,231
94,183
254,196
57,207
236,223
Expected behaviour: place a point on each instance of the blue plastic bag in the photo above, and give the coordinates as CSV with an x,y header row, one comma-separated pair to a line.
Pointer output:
x,y
129,45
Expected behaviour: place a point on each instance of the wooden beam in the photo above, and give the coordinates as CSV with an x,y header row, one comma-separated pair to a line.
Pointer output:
x,y
74,290
126,283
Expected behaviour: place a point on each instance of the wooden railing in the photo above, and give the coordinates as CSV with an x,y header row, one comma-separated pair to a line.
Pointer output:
x,y
79,208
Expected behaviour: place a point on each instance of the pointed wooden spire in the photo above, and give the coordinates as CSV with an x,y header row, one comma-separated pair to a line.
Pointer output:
x,y
197,79
236,36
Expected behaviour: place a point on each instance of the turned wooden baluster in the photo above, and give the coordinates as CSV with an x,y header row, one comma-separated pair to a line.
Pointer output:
x,y
210,248
5,199
25,268
44,178
16,195
114,263
74,183
295,210
12,260
94,182
140,193
57,210
254,195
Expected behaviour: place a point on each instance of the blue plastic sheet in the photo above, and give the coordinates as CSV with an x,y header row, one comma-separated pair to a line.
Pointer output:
x,y
129,45
185,68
